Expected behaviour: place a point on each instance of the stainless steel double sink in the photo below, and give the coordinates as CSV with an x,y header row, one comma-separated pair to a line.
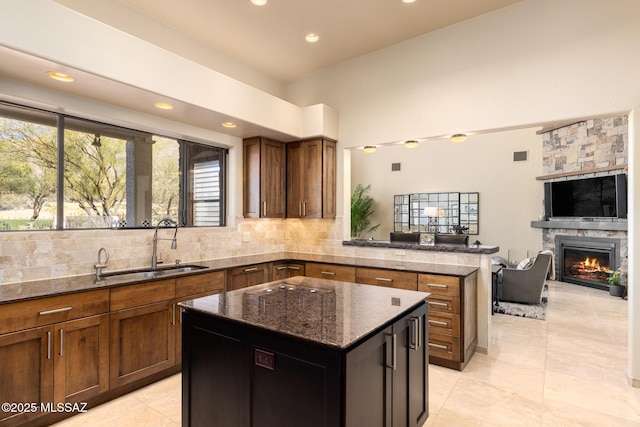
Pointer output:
x,y
151,274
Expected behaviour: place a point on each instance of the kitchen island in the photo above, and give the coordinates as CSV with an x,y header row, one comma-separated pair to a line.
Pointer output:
x,y
306,351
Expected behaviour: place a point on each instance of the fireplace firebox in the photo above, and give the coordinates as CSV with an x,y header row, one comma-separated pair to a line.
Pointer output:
x,y
586,261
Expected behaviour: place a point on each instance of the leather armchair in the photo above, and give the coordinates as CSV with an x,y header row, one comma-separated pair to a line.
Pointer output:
x,y
526,285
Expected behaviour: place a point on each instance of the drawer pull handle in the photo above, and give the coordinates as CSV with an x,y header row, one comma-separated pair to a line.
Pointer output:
x,y
57,310
291,267
383,279
248,270
438,346
440,304
282,268
436,285
329,273
435,322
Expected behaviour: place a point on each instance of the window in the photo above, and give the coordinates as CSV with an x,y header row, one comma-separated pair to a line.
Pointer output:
x,y
204,184
28,169
102,176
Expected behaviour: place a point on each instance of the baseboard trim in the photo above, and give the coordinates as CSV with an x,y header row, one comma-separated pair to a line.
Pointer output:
x,y
482,350
633,382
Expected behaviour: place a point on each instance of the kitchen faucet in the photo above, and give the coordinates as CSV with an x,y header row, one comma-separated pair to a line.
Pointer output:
x,y
174,241
101,264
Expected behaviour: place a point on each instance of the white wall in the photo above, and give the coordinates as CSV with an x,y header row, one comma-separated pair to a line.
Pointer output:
x,y
537,61
510,197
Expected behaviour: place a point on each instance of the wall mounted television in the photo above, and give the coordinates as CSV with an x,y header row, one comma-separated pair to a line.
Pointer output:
x,y
600,197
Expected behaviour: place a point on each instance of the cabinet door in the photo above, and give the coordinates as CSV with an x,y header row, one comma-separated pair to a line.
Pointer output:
x,y
295,179
273,179
264,178
26,371
251,178
312,181
368,383
242,277
81,359
142,342
329,156
281,271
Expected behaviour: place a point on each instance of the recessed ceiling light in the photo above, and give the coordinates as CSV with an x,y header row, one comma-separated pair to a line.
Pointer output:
x,y
412,143
312,37
259,2
229,125
370,149
408,1
61,77
459,137
163,106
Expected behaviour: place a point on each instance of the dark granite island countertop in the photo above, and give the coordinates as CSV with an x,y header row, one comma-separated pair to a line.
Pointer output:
x,y
326,312
306,352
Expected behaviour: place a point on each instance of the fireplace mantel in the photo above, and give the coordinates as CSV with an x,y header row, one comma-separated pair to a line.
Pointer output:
x,y
582,225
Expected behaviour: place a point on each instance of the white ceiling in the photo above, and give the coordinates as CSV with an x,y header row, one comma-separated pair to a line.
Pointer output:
x,y
270,38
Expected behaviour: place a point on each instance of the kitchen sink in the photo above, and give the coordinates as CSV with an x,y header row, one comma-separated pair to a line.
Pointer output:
x,y
151,274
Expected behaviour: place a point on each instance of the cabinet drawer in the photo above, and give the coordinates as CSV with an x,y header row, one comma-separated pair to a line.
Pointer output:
x,y
46,311
389,278
331,272
439,285
444,323
444,346
444,303
142,294
200,283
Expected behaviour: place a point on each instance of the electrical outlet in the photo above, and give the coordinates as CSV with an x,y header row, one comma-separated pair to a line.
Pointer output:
x,y
400,252
287,235
246,236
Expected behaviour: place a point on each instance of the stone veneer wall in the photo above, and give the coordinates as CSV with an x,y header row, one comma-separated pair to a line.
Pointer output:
x,y
585,146
37,255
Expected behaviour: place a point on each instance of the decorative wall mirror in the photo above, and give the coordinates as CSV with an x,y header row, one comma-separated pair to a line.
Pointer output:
x,y
436,212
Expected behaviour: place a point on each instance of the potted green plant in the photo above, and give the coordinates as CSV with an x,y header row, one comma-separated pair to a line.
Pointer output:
x,y
616,287
361,211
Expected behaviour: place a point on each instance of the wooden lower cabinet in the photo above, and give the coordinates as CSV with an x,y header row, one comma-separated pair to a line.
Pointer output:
x,y
142,342
388,278
342,273
26,372
81,358
250,275
453,319
283,270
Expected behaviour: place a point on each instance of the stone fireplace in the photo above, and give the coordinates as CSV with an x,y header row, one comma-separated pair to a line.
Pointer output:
x,y
585,248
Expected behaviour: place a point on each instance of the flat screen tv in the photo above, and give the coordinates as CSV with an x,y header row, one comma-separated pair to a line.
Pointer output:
x,y
600,197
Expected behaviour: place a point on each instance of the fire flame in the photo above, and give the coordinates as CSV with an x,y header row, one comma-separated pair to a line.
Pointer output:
x,y
592,264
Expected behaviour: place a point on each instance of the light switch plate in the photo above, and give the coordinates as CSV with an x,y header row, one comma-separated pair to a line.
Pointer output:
x,y
246,236
400,252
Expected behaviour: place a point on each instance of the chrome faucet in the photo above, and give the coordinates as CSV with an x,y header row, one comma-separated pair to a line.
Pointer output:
x,y
100,264
174,241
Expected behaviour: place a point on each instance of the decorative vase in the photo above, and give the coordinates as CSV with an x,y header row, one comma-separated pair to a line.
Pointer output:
x,y
616,290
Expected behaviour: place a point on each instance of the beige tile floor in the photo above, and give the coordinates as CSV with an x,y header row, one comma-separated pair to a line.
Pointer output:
x,y
566,371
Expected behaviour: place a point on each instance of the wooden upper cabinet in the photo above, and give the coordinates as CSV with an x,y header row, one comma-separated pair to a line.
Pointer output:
x,y
311,179
264,178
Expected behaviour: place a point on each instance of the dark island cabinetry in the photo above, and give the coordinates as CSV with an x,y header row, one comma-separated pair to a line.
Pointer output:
x,y
290,353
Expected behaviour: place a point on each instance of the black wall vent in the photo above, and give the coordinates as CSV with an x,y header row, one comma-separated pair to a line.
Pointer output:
x,y
520,156
395,167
